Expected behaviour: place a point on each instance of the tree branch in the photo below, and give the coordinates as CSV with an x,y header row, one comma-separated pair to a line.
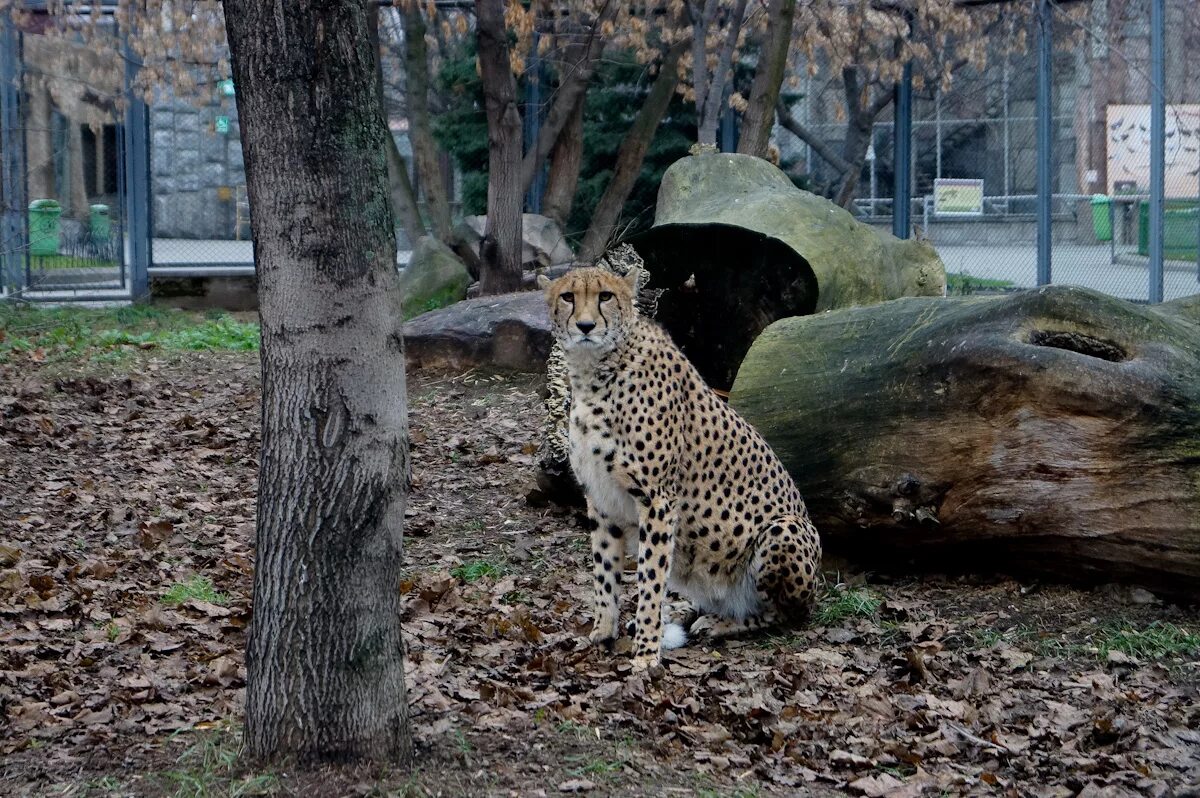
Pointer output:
x,y
570,94
791,124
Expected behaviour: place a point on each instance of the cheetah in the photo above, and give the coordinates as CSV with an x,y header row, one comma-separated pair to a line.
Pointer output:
x,y
675,477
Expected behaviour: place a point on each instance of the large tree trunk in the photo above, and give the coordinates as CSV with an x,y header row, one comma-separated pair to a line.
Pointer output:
x,y
632,153
404,199
1054,432
566,159
420,129
500,249
768,78
325,661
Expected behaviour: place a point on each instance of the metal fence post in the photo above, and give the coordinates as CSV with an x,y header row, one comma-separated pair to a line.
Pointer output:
x,y
902,190
1158,125
1045,188
137,179
13,243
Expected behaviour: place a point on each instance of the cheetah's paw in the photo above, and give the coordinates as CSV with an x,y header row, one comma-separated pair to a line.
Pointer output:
x,y
646,663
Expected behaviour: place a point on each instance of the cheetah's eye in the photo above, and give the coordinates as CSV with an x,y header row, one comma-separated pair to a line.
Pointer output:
x,y
567,296
605,296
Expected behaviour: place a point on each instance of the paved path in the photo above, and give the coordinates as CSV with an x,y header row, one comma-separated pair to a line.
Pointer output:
x,y
1073,264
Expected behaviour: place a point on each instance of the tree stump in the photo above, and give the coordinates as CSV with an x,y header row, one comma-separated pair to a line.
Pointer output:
x,y
1053,432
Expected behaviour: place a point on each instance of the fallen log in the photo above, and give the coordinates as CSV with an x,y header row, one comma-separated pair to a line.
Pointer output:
x,y
1054,432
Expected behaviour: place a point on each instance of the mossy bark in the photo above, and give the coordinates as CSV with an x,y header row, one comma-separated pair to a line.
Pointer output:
x,y
1054,432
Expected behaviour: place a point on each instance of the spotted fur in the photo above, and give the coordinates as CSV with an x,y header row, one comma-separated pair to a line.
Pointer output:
x,y
674,477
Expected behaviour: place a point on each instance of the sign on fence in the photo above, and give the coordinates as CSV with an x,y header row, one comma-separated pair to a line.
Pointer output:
x,y
957,197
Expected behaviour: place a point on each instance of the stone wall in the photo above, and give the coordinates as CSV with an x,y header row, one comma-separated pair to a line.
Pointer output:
x,y
195,170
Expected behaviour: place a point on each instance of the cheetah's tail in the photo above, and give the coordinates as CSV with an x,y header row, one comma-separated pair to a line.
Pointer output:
x,y
674,636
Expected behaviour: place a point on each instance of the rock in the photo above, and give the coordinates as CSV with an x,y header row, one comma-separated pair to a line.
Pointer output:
x,y
509,331
733,239
433,278
544,243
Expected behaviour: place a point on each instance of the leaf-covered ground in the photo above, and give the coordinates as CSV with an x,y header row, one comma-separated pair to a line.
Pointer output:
x,y
127,489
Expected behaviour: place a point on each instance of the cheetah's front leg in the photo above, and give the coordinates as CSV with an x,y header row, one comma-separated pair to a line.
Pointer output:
x,y
608,560
656,544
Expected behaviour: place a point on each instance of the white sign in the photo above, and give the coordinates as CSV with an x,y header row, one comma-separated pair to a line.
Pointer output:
x,y
1129,148
957,197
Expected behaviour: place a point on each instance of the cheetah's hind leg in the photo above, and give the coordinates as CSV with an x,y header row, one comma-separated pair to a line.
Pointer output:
x,y
786,566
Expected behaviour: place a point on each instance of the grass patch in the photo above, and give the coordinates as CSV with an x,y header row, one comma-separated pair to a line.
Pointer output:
x,y
50,262
1159,640
198,587
473,572
58,334
208,768
959,284
841,603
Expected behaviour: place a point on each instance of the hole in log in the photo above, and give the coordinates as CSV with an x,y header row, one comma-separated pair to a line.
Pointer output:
x,y
1080,343
723,286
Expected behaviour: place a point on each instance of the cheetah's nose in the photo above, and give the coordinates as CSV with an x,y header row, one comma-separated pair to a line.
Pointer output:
x,y
585,327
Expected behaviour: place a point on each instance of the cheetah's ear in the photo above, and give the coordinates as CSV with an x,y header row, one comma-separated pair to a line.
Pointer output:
x,y
631,278
543,282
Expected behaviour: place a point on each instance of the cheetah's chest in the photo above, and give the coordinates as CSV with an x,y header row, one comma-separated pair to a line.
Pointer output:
x,y
592,459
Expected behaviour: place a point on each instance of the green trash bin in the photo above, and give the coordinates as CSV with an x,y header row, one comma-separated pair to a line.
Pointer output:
x,y
1179,229
1102,217
44,229
99,223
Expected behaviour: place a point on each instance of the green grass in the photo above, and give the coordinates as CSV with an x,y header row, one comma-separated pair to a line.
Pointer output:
x,y
473,572
1156,641
841,603
1159,640
48,262
61,334
198,587
208,768
958,284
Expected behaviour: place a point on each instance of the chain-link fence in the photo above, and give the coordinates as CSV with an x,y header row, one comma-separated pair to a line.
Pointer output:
x,y
975,156
62,149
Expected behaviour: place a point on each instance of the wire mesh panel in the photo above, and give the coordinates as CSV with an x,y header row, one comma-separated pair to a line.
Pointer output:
x,y
65,117
975,150
198,184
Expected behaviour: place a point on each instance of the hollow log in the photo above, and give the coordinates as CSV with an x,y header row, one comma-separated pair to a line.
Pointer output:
x,y
735,246
1054,432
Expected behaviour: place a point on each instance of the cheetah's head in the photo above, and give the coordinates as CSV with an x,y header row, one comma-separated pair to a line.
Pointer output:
x,y
590,308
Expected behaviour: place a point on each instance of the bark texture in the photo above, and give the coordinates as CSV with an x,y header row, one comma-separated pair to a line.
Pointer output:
x,y
605,217
759,118
325,661
566,159
500,249
1055,432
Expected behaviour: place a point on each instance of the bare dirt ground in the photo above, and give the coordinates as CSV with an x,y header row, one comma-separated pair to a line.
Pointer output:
x,y
126,528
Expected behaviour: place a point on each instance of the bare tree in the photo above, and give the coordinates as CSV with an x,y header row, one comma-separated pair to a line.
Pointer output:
x,y
500,249
325,661
631,155
759,116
